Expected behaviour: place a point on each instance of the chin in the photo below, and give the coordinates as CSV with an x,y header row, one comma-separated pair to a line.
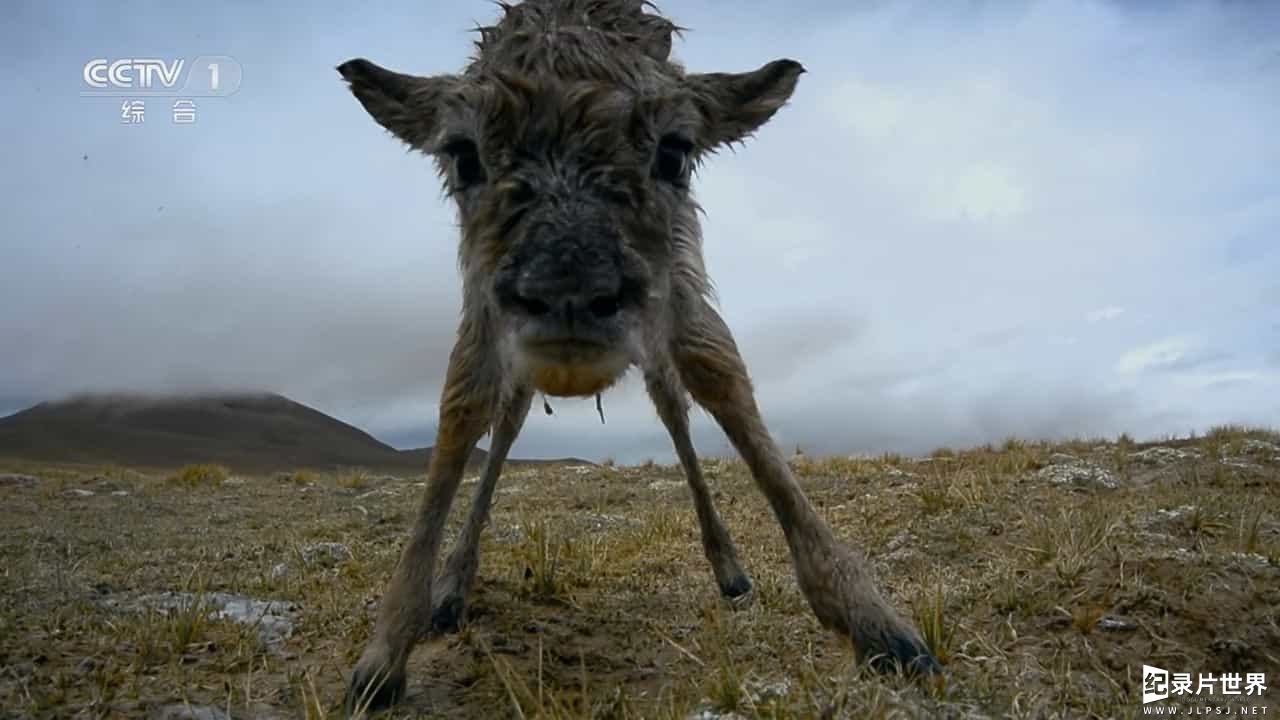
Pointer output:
x,y
573,375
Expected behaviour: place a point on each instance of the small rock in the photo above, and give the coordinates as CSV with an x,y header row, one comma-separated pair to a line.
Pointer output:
x,y
902,555
599,521
86,666
384,479
17,480
325,553
1180,554
1232,651
1059,458
378,492
103,484
931,460
280,570
1078,474
1239,464
1253,559
1116,624
508,533
1168,517
77,492
665,484
714,715
1161,455
897,541
273,619
1176,513
120,493
762,692
1259,447
900,548
184,711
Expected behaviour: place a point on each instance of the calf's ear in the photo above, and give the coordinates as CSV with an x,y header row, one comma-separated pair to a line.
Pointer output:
x,y
410,106
734,105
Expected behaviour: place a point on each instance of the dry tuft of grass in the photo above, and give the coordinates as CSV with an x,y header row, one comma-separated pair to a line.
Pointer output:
x,y
201,475
299,477
936,627
354,479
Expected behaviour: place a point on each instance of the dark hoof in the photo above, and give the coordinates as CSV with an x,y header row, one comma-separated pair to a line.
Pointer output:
x,y
738,593
447,616
905,654
372,691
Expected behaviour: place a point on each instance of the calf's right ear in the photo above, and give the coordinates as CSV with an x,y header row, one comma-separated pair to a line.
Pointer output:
x,y
734,105
410,106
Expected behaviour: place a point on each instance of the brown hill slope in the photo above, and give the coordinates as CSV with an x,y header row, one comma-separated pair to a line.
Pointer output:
x,y
245,431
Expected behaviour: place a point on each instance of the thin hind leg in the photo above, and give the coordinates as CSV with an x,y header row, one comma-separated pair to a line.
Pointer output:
x,y
669,400
835,581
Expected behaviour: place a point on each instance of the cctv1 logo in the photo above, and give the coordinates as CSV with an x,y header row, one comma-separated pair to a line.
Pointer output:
x,y
203,76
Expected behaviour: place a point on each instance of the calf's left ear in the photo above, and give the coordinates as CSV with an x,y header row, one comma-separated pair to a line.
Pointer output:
x,y
410,106
734,105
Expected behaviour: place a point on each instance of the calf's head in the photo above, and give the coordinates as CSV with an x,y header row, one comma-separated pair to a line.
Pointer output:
x,y
569,159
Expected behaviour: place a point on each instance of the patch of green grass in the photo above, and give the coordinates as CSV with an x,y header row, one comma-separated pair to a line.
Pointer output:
x,y
937,628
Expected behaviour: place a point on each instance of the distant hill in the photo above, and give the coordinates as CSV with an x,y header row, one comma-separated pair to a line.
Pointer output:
x,y
249,432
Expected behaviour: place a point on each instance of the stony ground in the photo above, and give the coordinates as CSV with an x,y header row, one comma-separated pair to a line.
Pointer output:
x,y
1045,576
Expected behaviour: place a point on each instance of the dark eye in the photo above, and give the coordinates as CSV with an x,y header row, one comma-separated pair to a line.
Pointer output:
x,y
466,162
520,193
672,161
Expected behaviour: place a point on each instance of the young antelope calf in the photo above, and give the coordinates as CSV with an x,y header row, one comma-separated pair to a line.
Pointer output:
x,y
568,144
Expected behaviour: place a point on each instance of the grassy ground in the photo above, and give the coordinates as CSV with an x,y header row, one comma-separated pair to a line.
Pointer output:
x,y
1043,590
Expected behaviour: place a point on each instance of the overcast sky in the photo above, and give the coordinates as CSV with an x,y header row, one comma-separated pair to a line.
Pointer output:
x,y
1017,218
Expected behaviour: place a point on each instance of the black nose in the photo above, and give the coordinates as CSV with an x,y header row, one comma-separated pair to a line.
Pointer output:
x,y
567,307
572,283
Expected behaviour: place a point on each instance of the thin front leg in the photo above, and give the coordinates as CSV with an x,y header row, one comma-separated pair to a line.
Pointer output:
x,y
466,409
669,400
839,588
460,567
